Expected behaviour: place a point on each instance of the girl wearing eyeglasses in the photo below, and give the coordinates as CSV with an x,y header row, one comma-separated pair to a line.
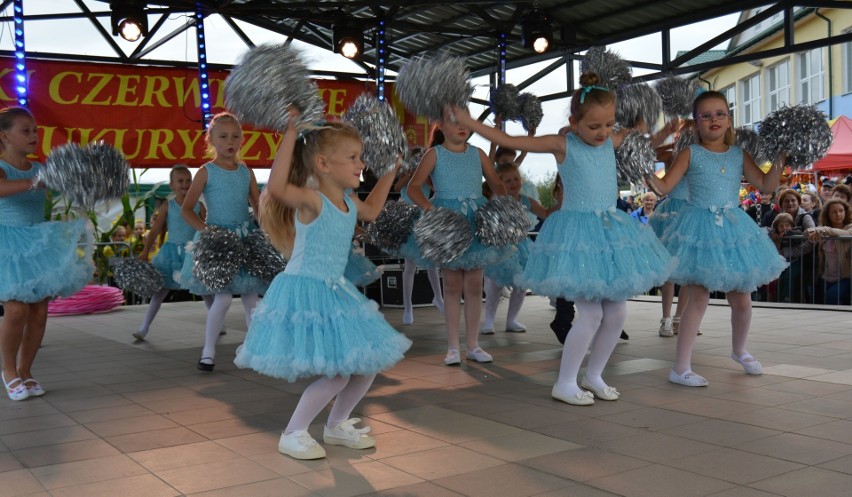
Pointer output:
x,y
717,246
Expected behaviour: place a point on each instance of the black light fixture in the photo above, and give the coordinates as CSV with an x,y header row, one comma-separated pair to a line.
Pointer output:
x,y
128,19
537,32
347,39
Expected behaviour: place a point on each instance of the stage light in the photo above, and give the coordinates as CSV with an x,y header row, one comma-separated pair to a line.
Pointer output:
x,y
537,32
347,39
128,19
20,55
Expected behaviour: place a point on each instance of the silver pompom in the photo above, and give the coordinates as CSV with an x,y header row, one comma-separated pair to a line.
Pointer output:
x,y
638,102
613,71
801,132
501,221
87,174
217,257
750,141
442,235
685,138
531,113
412,158
504,102
634,158
425,85
261,258
266,82
137,277
381,132
393,226
677,95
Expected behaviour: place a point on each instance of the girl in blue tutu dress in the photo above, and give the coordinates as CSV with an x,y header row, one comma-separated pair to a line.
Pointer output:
x,y
40,258
170,258
664,214
313,321
588,251
229,187
409,252
716,245
456,170
503,274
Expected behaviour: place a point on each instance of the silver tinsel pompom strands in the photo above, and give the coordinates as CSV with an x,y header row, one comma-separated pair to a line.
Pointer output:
x,y
425,85
137,277
266,82
751,142
634,158
442,235
381,133
685,138
504,102
677,95
531,113
501,221
412,159
217,256
801,132
638,102
261,258
86,175
613,71
393,225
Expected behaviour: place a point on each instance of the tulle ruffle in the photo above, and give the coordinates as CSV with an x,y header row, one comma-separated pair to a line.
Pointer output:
x,y
595,256
360,270
722,250
50,259
309,327
664,214
504,273
168,261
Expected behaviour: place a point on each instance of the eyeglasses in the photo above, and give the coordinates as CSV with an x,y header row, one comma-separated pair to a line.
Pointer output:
x,y
709,116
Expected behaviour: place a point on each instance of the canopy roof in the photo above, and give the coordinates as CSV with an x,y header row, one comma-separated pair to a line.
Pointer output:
x,y
840,154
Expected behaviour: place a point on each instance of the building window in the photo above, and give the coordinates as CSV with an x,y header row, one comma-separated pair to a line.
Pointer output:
x,y
778,86
730,93
811,77
750,89
846,66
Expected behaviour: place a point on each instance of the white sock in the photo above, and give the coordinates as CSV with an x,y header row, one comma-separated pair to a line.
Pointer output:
x,y
606,338
589,316
408,272
515,303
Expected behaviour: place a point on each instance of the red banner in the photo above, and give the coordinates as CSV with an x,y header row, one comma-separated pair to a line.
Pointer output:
x,y
153,114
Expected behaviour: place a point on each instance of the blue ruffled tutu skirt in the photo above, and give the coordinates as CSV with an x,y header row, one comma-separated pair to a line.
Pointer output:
x,y
242,283
594,256
504,273
477,255
664,214
306,326
44,260
360,270
168,261
722,251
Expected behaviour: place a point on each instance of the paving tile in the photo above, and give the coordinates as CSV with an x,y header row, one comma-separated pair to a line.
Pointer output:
x,y
519,446
441,462
133,486
268,488
66,452
508,480
155,439
18,483
214,475
355,479
798,448
182,456
88,471
660,481
734,466
721,432
136,424
657,447
808,482
47,437
584,464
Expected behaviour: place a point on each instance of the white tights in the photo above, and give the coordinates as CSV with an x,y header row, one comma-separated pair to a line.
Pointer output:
x,y
154,307
598,324
216,318
349,391
493,292
408,272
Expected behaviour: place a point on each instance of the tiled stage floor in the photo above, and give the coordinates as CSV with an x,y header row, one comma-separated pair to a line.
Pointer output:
x,y
124,420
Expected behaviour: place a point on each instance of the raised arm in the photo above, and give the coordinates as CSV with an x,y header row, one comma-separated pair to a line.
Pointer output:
x,y
673,175
10,187
369,209
254,193
295,197
187,210
490,174
538,209
551,144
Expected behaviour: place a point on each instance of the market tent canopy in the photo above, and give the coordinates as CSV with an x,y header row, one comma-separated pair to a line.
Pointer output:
x,y
840,154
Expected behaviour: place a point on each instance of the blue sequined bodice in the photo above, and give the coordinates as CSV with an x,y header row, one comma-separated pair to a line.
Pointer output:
x,y
714,178
457,175
321,248
26,208
180,231
226,195
588,176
